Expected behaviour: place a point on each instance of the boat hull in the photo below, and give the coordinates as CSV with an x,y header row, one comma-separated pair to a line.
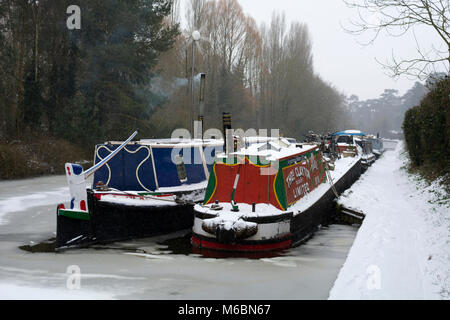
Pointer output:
x,y
279,232
109,222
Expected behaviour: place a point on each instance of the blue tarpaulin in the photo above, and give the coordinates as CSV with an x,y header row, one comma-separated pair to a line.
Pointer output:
x,y
349,133
132,168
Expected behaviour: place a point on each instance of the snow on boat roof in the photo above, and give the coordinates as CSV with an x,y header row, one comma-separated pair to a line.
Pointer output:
x,y
251,140
349,133
142,202
273,149
164,143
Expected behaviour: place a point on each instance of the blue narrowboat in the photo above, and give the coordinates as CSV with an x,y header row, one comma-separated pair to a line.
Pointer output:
x,y
139,189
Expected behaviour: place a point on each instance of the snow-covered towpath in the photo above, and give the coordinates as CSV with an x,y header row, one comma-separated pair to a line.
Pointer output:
x,y
402,250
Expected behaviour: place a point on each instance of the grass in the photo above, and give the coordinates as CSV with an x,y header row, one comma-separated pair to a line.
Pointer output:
x,y
46,246
429,173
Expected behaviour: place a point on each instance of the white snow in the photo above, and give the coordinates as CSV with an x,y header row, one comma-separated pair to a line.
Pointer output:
x,y
261,210
402,250
147,201
280,149
230,221
184,188
179,143
390,144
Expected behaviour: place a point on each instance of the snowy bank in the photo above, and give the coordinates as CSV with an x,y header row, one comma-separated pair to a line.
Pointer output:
x,y
402,250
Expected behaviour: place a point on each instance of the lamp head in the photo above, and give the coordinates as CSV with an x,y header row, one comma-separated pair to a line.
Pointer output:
x,y
196,35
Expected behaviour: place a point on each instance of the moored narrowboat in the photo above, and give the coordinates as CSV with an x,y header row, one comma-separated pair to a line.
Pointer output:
x,y
377,145
140,189
351,142
269,196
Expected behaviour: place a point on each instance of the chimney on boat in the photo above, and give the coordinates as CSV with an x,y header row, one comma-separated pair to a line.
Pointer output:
x,y
199,131
228,136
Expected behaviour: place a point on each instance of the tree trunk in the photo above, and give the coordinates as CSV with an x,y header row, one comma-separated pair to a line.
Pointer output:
x,y
17,115
36,41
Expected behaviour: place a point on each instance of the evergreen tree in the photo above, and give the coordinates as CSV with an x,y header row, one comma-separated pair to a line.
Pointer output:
x,y
120,42
80,84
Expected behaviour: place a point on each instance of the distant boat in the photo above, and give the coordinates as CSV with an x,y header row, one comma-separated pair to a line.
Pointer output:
x,y
345,140
140,191
350,142
377,145
270,195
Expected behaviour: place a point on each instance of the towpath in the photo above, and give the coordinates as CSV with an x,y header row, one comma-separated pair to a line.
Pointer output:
x,y
402,250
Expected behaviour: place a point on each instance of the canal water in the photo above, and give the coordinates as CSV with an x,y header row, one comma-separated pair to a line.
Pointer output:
x,y
156,268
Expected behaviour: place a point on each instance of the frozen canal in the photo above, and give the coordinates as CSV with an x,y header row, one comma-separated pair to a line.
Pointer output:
x,y
141,269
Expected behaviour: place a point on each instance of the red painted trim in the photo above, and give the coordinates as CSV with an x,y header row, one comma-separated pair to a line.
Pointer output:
x,y
283,244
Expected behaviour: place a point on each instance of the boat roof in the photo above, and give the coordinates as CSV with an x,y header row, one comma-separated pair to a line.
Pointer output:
x,y
172,143
252,140
273,149
349,133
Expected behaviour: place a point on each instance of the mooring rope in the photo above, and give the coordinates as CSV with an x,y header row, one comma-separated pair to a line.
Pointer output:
x,y
331,183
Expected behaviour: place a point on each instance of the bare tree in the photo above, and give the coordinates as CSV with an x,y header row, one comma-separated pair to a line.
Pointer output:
x,y
174,11
250,61
195,14
398,17
263,75
273,57
287,71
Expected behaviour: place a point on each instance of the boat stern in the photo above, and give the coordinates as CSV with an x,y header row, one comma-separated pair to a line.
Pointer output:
x,y
218,228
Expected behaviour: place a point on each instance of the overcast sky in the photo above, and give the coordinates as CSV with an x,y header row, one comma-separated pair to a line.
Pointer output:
x,y
338,57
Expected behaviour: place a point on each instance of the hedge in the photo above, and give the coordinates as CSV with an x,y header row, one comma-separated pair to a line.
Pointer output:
x,y
427,129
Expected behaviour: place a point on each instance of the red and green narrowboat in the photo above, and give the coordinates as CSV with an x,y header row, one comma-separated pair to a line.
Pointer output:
x,y
268,196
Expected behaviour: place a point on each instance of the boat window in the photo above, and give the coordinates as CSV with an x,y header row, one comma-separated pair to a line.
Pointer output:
x,y
181,169
344,139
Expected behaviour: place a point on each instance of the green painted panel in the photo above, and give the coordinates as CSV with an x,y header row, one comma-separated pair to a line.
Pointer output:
x,y
80,215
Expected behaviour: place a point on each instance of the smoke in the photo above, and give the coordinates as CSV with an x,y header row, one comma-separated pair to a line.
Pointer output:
x,y
167,87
